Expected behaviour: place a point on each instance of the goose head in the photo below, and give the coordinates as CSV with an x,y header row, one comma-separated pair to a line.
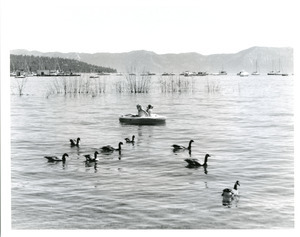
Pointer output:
x,y
190,144
205,159
64,157
237,183
120,143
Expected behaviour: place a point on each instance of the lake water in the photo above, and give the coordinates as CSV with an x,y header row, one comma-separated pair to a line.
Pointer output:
x,y
245,124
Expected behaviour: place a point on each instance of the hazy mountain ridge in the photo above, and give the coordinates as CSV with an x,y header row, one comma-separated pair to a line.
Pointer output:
x,y
268,58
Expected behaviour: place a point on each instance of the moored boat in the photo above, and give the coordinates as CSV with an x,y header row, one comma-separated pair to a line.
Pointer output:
x,y
154,119
202,74
256,72
243,73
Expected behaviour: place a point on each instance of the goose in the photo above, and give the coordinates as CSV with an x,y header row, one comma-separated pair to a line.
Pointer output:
x,y
109,148
56,159
130,141
75,142
89,159
228,193
178,147
192,163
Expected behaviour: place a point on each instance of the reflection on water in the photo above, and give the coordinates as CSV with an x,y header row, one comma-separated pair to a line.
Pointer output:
x,y
247,125
231,202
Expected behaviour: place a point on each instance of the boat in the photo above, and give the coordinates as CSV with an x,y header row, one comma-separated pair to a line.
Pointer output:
x,y
222,73
20,76
275,73
202,74
271,73
154,119
168,74
147,74
243,73
188,74
256,73
103,74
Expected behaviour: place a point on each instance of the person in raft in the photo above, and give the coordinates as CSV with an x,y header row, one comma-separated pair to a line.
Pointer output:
x,y
141,111
149,110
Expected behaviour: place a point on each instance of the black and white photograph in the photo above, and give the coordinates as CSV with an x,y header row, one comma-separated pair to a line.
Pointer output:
x,y
139,116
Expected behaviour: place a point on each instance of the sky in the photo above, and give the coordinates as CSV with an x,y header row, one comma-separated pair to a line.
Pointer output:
x,y
161,26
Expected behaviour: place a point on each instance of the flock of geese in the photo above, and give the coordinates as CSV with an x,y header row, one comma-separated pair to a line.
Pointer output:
x,y
227,194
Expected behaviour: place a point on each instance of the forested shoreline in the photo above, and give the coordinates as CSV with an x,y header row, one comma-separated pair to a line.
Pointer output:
x,y
33,63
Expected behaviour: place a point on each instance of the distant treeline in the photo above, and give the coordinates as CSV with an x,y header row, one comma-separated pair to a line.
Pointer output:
x,y
34,63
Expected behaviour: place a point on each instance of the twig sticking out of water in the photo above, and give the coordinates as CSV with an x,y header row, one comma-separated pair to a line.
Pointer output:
x,y
74,86
134,84
212,86
21,82
170,84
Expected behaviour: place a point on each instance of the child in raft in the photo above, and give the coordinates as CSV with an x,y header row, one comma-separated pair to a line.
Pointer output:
x,y
141,111
149,110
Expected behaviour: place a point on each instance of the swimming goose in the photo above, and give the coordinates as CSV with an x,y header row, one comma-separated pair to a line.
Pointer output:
x,y
192,163
56,159
178,147
89,159
228,193
110,148
75,142
130,141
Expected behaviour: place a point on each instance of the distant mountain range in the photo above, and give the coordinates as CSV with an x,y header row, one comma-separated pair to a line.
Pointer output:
x,y
267,58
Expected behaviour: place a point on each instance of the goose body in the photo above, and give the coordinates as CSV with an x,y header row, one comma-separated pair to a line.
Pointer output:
x,y
56,159
74,142
193,163
179,147
130,141
228,193
109,148
89,159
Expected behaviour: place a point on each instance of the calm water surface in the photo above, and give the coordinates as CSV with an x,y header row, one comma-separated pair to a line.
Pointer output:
x,y
246,125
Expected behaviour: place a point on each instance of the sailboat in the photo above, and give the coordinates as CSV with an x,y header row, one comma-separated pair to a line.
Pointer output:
x,y
271,73
220,73
275,73
256,73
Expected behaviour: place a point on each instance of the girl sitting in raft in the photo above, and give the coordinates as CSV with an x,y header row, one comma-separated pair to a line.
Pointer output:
x,y
141,111
149,110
